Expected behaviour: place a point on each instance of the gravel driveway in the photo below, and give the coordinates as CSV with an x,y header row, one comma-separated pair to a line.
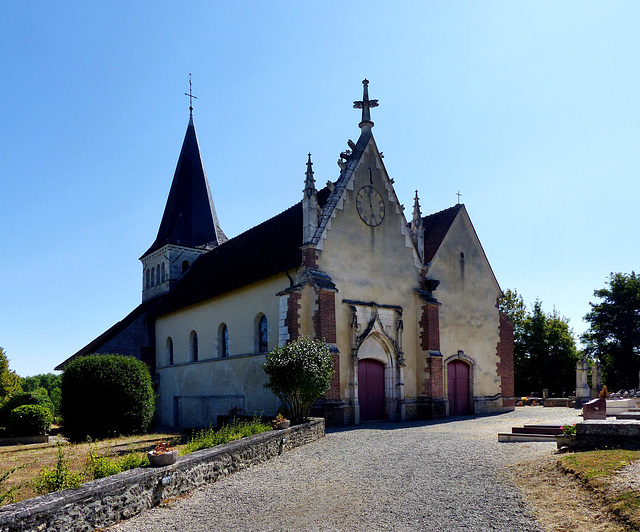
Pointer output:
x,y
440,476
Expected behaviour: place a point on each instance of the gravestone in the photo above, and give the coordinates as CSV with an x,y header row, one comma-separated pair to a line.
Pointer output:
x,y
595,409
583,394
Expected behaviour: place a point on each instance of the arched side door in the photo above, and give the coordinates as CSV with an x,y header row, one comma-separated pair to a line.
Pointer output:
x,y
458,388
371,389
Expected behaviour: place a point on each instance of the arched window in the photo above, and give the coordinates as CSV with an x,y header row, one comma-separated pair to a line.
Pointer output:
x,y
158,274
262,334
148,281
170,351
223,341
193,346
163,276
153,276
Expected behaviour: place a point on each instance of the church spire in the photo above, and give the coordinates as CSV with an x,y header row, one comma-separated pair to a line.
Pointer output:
x,y
309,205
189,218
365,104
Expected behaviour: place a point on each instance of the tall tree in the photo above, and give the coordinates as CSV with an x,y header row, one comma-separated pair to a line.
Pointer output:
x,y
545,351
9,380
614,332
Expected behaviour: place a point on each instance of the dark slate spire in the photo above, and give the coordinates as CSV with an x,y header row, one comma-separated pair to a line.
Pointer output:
x,y
189,217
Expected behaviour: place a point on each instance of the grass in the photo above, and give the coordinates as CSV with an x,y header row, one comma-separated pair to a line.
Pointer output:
x,y
596,470
34,469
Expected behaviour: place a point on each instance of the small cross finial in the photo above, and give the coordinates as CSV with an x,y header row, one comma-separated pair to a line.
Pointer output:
x,y
458,194
365,104
191,98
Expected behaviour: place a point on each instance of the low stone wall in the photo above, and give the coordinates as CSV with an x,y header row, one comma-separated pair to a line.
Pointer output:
x,y
106,501
557,402
606,434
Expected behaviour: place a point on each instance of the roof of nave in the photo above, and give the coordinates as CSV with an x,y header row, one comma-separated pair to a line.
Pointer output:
x,y
436,227
267,249
189,217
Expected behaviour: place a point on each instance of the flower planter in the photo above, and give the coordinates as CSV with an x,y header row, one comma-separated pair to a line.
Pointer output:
x,y
282,425
565,440
164,459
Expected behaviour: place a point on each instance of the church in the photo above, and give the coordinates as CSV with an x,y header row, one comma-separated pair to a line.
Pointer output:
x,y
409,308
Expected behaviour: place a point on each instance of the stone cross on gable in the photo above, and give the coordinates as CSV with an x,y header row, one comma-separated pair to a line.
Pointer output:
x,y
365,104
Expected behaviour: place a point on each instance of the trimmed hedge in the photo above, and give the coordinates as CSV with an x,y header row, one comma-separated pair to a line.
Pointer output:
x,y
106,395
30,420
24,398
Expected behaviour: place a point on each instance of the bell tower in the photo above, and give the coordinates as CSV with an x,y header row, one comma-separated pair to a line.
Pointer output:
x,y
189,226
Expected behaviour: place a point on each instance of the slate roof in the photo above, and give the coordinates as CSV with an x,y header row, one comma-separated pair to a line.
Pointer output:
x,y
264,250
436,227
138,312
189,217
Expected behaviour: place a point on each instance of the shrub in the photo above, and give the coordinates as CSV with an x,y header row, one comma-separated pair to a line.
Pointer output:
x,y
30,420
24,398
106,395
299,373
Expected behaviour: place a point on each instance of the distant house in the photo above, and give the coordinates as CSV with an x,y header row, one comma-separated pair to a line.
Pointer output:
x,y
409,309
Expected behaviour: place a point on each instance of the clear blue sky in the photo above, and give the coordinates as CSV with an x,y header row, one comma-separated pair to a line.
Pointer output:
x,y
529,109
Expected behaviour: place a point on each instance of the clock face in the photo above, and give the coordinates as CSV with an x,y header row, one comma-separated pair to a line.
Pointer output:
x,y
370,206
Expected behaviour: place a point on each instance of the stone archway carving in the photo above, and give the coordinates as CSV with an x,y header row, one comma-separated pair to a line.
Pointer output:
x,y
383,325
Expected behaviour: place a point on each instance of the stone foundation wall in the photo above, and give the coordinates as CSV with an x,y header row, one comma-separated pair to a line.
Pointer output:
x,y
106,501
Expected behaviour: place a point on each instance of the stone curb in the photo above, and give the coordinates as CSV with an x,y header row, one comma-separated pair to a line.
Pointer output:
x,y
106,501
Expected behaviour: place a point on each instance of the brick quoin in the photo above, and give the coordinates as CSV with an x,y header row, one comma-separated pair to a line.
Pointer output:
x,y
434,386
309,257
324,318
430,327
292,320
504,367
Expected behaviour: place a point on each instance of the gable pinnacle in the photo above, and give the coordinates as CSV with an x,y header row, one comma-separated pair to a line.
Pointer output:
x,y
417,215
309,181
365,104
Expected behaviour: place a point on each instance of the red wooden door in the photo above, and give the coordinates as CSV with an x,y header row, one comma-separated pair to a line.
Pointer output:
x,y
371,389
458,388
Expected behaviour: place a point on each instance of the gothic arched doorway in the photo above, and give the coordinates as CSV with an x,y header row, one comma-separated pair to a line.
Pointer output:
x,y
458,388
371,389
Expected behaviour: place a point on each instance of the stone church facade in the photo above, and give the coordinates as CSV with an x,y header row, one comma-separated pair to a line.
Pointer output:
x,y
408,308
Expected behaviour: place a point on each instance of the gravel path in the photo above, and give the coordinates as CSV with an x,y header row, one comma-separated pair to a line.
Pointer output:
x,y
386,476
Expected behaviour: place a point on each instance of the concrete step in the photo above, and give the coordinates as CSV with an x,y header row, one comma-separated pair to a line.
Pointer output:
x,y
538,429
511,437
629,415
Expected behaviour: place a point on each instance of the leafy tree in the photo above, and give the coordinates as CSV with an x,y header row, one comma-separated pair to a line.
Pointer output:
x,y
106,395
614,332
299,373
545,352
9,380
48,381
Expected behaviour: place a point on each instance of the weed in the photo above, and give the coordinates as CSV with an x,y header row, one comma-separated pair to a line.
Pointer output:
x,y
49,480
207,438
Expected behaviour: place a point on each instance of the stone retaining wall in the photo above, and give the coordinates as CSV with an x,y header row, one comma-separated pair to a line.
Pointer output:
x,y
106,501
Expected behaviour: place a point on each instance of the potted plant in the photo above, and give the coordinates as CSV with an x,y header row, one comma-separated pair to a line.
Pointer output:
x,y
568,436
280,422
162,455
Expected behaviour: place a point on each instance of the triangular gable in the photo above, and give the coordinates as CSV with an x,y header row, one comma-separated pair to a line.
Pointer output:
x,y
345,182
437,227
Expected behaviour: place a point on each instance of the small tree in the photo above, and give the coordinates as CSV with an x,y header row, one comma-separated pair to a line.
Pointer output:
x,y
106,395
299,373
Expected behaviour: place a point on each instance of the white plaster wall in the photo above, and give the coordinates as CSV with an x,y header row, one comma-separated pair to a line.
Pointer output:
x,y
372,264
240,376
468,291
